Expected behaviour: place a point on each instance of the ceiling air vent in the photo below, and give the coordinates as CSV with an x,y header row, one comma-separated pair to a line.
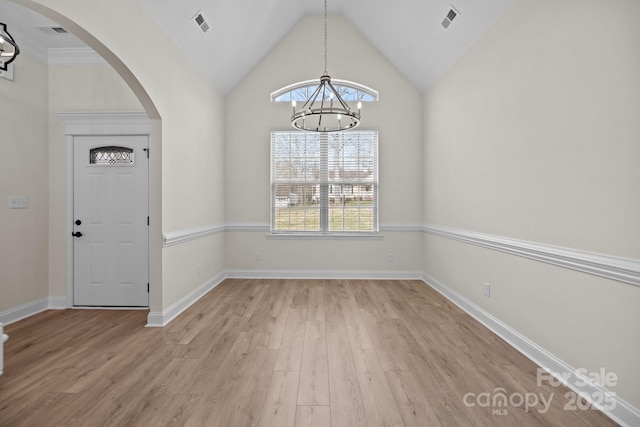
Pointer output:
x,y
55,29
451,15
199,19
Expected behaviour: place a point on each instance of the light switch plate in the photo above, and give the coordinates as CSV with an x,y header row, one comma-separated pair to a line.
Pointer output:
x,y
18,202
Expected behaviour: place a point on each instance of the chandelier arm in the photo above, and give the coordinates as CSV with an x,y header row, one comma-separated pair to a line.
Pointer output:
x,y
312,99
339,98
12,43
324,93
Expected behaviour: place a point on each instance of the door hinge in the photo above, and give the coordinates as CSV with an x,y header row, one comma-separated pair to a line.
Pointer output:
x,y
147,287
147,151
147,220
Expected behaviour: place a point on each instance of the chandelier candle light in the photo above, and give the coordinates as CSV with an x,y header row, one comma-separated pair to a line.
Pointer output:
x,y
8,48
325,110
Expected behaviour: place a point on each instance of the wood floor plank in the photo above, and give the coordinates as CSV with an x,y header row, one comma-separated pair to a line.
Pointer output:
x,y
276,319
291,348
393,353
15,405
347,408
375,289
379,403
44,408
412,403
314,375
316,308
313,416
280,403
247,402
335,321
138,387
169,410
201,320
323,353
197,376
239,383
358,334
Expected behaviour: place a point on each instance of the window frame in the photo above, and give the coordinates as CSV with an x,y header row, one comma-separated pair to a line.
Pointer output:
x,y
324,186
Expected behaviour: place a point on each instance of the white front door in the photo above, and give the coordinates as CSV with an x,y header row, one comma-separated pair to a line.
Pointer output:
x,y
111,233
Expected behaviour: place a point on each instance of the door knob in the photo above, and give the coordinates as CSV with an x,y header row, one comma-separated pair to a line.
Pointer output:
x,y
78,222
76,234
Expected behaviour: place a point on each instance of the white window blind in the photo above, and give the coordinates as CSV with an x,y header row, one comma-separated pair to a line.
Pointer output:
x,y
324,182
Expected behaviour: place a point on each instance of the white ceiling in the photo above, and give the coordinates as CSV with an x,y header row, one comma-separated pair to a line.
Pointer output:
x,y
33,29
407,32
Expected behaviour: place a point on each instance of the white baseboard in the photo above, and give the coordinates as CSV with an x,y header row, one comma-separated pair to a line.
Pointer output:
x,y
58,303
161,319
34,307
323,274
623,413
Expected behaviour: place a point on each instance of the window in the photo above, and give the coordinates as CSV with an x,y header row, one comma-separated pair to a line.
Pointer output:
x,y
349,91
111,156
324,182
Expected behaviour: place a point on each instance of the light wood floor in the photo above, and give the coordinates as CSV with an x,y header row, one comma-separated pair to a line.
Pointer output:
x,y
274,353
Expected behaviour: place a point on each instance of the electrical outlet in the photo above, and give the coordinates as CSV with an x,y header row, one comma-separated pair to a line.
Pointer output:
x,y
487,290
389,257
258,256
18,202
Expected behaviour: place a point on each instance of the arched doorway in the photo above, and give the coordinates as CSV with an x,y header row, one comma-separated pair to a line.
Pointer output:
x,y
155,135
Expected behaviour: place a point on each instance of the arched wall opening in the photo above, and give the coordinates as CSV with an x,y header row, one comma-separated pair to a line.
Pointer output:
x,y
155,140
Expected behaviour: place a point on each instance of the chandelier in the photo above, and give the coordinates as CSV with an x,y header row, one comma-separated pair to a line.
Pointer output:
x,y
8,48
325,110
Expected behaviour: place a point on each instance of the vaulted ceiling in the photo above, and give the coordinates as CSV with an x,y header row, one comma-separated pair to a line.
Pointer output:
x,y
408,32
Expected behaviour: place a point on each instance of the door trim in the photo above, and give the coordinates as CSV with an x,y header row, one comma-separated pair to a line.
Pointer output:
x,y
95,124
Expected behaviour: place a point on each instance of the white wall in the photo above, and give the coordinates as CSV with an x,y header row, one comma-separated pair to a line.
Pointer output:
x,y
533,135
250,116
24,172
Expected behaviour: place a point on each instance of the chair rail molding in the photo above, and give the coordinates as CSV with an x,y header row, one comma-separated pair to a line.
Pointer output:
x,y
180,236
614,268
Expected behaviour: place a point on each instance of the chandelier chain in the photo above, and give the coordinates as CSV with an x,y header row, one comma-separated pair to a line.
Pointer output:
x,y
325,37
324,110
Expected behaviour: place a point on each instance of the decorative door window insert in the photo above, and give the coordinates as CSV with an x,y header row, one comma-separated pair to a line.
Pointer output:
x,y
111,155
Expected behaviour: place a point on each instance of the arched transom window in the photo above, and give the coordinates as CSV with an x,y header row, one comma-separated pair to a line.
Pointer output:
x,y
301,91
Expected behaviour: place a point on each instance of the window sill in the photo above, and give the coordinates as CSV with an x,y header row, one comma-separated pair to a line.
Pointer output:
x,y
324,236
